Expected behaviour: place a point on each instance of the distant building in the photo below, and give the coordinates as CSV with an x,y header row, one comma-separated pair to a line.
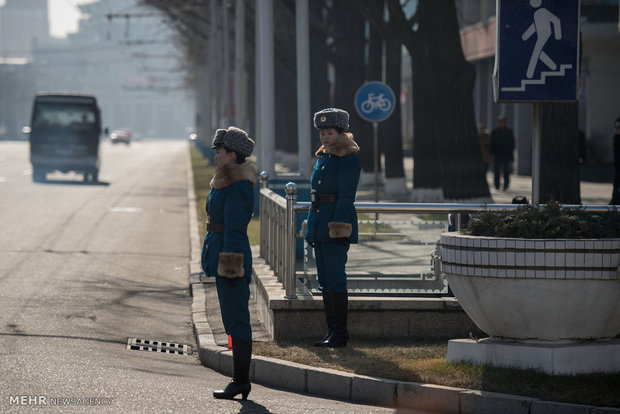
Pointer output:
x,y
129,63
16,93
22,23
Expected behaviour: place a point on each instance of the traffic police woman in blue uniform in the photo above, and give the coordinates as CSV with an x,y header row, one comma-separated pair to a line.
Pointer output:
x,y
332,220
226,250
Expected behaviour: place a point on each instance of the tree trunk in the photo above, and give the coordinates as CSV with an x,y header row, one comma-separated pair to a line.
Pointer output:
x,y
559,154
250,62
446,149
391,136
285,78
319,84
348,60
374,66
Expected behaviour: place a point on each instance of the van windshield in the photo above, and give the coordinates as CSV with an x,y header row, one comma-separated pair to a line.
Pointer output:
x,y
74,116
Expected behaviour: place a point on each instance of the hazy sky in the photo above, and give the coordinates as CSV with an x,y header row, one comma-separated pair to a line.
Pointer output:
x,y
63,15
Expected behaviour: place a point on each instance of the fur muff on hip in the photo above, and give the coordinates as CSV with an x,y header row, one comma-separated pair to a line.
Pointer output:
x,y
230,265
339,230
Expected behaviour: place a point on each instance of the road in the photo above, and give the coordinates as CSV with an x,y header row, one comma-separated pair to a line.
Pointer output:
x,y
84,267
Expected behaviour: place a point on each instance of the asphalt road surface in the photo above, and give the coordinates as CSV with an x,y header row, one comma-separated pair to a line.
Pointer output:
x,y
84,267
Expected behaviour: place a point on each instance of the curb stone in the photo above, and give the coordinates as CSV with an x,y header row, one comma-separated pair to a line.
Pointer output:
x,y
544,407
483,402
428,397
271,371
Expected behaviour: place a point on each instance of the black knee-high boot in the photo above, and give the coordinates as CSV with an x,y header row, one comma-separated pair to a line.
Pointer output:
x,y
340,308
240,384
329,318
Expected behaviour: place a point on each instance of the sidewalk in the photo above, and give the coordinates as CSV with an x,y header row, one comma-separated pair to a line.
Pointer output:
x,y
295,377
520,185
591,193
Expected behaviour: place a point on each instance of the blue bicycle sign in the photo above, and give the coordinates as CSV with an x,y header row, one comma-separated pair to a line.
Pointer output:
x,y
374,101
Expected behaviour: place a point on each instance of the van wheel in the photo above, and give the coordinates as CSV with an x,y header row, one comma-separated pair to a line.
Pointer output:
x,y
38,175
92,176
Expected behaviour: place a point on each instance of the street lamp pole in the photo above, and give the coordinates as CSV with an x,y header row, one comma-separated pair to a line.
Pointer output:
x,y
267,99
303,87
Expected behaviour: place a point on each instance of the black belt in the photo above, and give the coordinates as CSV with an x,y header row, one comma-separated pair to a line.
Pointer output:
x,y
316,198
215,227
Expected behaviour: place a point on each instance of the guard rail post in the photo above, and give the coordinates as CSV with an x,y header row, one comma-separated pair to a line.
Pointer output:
x,y
289,248
264,183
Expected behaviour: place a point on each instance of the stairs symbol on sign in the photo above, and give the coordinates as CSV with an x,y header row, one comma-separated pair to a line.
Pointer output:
x,y
541,81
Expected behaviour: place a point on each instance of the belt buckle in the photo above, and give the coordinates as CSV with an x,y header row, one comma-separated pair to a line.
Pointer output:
x,y
314,199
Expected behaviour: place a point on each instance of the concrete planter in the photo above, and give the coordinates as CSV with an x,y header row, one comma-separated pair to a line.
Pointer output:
x,y
560,290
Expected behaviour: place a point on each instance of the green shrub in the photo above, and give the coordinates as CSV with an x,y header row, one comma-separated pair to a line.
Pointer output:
x,y
548,222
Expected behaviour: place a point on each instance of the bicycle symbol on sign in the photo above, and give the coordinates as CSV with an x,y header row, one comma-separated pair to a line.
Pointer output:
x,y
376,102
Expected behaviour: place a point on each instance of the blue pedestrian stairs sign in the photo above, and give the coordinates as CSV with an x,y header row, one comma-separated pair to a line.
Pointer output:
x,y
375,101
537,51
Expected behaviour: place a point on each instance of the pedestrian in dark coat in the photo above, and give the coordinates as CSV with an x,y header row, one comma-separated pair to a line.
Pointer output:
x,y
615,197
332,220
226,250
502,148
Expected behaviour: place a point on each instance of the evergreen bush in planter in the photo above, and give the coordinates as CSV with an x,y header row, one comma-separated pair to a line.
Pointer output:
x,y
550,222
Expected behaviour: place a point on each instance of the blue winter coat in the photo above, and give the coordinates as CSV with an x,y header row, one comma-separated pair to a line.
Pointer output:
x,y
230,202
336,171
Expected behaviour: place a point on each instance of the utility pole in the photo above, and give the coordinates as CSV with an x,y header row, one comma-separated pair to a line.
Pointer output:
x,y
240,78
266,80
212,62
303,87
226,72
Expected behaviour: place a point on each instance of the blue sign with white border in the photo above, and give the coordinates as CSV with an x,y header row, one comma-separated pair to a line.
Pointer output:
x,y
537,51
375,101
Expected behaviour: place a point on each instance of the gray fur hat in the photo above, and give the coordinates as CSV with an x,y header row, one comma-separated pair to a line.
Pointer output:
x,y
234,139
331,118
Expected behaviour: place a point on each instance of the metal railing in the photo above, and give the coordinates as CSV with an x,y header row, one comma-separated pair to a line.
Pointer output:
x,y
278,224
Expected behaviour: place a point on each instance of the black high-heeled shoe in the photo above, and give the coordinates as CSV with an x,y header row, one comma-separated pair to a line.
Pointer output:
x,y
325,338
240,384
335,340
233,389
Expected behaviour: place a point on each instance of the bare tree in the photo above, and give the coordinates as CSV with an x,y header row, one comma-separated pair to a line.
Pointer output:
x,y
445,149
559,164
391,128
347,30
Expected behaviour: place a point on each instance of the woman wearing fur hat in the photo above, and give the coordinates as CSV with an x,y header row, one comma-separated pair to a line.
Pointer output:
x,y
332,220
226,250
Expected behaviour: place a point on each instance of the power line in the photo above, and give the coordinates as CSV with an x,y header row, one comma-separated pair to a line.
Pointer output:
x,y
111,16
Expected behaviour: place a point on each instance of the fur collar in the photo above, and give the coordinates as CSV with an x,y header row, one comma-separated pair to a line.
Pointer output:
x,y
343,146
233,172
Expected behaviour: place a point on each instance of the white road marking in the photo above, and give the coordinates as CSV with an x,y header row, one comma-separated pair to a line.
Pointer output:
x,y
126,209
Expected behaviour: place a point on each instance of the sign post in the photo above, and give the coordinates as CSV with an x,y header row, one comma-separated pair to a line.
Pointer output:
x,y
536,60
375,102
